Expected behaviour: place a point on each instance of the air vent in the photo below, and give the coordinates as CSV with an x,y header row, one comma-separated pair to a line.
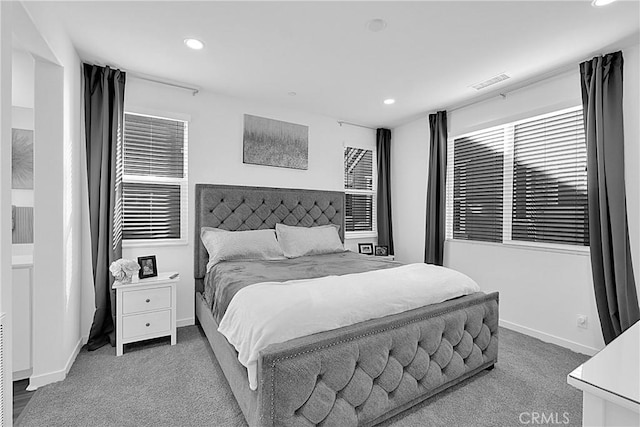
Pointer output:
x,y
493,80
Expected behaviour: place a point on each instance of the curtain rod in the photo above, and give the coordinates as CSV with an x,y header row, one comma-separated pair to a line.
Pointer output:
x,y
194,90
341,122
477,101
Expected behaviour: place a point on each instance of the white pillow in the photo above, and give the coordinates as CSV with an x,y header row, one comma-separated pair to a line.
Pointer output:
x,y
224,245
300,241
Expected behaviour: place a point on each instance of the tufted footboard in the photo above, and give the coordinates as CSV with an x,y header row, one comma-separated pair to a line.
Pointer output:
x,y
366,373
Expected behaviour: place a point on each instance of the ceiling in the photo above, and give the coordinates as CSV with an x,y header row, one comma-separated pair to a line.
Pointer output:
x,y
426,58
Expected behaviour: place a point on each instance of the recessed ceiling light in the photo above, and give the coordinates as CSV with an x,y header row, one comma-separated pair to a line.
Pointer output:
x,y
600,3
376,25
389,101
194,44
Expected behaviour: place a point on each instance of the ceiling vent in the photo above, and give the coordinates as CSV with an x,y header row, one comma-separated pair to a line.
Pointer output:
x,y
493,80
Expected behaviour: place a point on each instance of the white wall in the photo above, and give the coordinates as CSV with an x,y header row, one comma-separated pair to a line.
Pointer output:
x,y
541,292
22,79
58,236
6,309
631,108
22,118
409,167
215,156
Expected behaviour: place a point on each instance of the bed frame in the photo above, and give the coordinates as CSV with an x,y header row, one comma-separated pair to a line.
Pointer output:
x,y
361,374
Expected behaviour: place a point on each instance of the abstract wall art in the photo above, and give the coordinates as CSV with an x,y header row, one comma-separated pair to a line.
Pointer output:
x,y
271,142
21,159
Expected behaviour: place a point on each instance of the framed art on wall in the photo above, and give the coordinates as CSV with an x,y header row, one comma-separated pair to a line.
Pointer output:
x,y
271,142
21,159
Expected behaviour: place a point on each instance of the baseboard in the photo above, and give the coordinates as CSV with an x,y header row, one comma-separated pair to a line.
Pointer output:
x,y
22,375
571,345
72,357
185,322
37,381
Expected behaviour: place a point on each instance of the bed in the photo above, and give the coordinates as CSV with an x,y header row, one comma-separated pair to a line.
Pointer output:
x,y
361,374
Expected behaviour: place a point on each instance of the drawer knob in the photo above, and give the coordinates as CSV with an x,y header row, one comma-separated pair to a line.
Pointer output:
x,y
148,300
148,324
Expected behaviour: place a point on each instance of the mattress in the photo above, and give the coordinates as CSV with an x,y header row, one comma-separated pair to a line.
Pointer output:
x,y
226,278
274,312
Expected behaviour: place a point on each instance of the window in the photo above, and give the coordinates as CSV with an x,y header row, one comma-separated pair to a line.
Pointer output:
x,y
154,182
550,180
360,193
477,184
525,181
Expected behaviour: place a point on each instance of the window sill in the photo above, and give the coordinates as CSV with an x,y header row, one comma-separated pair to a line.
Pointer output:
x,y
353,235
541,247
153,243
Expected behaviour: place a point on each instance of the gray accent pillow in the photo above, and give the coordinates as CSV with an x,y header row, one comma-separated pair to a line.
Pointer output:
x,y
224,245
301,241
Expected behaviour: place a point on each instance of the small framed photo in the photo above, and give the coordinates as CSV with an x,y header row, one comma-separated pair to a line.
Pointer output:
x,y
365,248
382,250
148,266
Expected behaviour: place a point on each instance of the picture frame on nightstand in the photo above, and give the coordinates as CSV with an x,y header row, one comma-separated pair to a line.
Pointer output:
x,y
148,267
382,251
365,248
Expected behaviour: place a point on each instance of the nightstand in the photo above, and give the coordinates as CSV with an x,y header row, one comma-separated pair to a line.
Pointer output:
x,y
145,309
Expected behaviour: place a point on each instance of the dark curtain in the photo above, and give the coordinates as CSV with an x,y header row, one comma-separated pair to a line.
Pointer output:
x,y
383,205
104,119
613,279
436,190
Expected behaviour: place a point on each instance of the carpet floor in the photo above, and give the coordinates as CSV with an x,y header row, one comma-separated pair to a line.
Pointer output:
x,y
155,384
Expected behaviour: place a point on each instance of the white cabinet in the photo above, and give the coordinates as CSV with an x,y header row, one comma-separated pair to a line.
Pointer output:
x,y
21,316
610,383
145,309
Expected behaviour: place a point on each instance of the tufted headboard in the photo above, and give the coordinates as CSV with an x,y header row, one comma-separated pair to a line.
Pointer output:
x,y
234,208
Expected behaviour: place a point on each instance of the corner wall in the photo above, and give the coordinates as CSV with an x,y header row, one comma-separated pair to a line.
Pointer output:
x,y
6,373
57,233
541,292
215,156
409,168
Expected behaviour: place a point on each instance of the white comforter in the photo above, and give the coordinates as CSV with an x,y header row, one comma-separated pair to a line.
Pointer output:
x,y
275,312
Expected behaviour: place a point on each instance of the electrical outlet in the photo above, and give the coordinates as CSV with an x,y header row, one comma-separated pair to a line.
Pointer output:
x,y
581,321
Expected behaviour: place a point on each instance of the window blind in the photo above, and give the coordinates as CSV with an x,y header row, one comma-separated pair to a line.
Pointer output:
x,y
359,212
151,211
153,146
478,186
550,180
359,189
154,178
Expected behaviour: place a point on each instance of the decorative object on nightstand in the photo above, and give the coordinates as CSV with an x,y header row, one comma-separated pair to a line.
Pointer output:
x,y
145,309
365,248
148,266
124,269
382,251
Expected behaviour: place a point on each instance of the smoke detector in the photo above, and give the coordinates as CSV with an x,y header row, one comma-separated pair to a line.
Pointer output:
x,y
376,25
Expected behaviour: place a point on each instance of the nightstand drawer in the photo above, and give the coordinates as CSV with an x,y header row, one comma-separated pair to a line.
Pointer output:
x,y
146,299
146,324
